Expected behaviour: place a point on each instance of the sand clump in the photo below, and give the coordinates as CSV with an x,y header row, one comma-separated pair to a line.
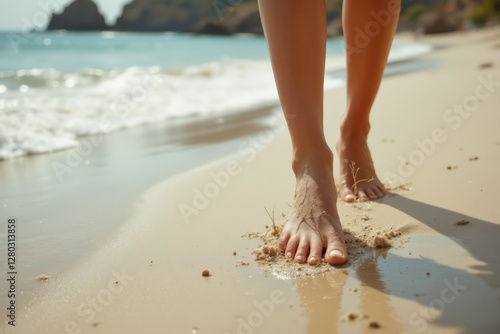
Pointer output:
x,y
397,187
353,316
361,238
242,263
43,277
485,65
461,222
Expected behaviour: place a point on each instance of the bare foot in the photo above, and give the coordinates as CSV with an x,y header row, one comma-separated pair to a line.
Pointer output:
x,y
313,223
368,187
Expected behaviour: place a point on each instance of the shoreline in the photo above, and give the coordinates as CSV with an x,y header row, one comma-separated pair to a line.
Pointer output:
x,y
105,173
103,182
165,256
136,94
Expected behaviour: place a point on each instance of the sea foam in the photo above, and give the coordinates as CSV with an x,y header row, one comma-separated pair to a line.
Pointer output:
x,y
44,110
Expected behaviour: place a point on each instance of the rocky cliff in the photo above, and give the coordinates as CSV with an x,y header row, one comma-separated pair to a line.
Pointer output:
x,y
149,15
225,17
217,17
80,15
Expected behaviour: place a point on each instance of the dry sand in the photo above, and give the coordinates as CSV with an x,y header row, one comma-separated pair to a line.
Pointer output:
x,y
440,276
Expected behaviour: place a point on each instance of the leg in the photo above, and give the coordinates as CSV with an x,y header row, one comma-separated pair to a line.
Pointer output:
x,y
366,60
296,36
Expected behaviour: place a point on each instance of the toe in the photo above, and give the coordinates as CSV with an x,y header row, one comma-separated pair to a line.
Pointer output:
x,y
377,192
362,195
336,252
346,194
336,257
381,188
370,193
291,247
283,241
302,251
315,252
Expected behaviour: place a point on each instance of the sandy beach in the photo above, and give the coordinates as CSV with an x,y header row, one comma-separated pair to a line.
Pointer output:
x,y
435,141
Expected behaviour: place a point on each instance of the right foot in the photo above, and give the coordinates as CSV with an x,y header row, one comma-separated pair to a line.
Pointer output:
x,y
313,223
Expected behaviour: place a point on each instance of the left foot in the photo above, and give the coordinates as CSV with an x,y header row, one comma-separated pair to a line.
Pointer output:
x,y
313,225
354,156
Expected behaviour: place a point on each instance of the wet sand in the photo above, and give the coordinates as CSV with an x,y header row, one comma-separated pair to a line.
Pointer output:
x,y
439,276
69,203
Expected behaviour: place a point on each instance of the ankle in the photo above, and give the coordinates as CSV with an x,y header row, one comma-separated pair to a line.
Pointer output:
x,y
354,129
317,157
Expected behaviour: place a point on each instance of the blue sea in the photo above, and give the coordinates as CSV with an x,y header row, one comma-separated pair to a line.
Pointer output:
x,y
58,86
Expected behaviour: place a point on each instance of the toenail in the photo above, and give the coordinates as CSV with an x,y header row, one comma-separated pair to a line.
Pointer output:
x,y
299,258
336,252
289,254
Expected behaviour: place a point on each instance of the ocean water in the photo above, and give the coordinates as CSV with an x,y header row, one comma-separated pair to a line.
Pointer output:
x,y
58,86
